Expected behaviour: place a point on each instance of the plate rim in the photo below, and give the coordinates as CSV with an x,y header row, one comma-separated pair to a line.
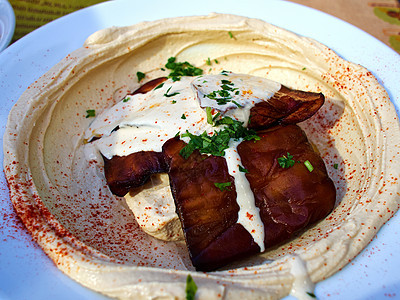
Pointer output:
x,y
55,23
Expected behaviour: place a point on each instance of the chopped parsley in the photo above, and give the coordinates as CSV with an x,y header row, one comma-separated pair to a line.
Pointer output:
x,y
286,161
170,95
209,62
231,35
126,99
209,116
312,295
140,76
159,86
217,143
223,186
183,117
335,166
90,113
225,73
241,169
308,165
191,288
179,69
224,95
304,69
173,101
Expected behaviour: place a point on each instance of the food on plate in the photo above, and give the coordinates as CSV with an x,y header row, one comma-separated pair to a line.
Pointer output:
x,y
221,227
231,193
54,164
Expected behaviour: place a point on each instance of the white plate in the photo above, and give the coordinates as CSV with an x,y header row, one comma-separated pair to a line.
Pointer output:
x,y
27,273
7,23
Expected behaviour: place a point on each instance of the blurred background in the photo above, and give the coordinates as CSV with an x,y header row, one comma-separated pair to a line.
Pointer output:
x,y
380,18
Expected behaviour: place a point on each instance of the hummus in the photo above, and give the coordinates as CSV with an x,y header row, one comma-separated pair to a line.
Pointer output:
x,y
60,193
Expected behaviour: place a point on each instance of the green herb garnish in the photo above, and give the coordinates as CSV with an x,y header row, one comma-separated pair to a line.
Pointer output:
x,y
219,141
173,101
209,116
90,113
286,161
223,186
126,99
308,165
170,95
312,295
191,288
179,69
208,62
183,117
159,86
140,76
230,35
224,95
241,169
225,73
335,166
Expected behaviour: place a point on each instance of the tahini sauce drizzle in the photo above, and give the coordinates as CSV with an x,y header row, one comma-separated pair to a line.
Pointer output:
x,y
249,214
302,286
144,122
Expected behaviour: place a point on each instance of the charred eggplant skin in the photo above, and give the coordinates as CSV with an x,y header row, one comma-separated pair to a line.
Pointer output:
x,y
287,106
289,199
126,172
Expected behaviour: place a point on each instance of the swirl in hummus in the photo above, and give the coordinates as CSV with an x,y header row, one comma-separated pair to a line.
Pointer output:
x,y
58,188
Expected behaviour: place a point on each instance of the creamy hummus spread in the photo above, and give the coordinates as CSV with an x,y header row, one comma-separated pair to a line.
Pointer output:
x,y
57,182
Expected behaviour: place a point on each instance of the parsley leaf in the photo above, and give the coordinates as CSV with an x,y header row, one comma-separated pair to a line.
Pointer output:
x,y
312,295
225,73
223,186
140,76
335,166
90,113
191,288
183,117
286,161
308,165
244,170
179,69
224,95
159,86
219,141
170,95
209,116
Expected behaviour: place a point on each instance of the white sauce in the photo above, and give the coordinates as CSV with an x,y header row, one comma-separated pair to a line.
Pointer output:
x,y
146,121
302,284
249,214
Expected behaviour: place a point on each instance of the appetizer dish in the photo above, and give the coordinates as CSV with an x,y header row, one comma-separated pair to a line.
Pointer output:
x,y
207,157
246,180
